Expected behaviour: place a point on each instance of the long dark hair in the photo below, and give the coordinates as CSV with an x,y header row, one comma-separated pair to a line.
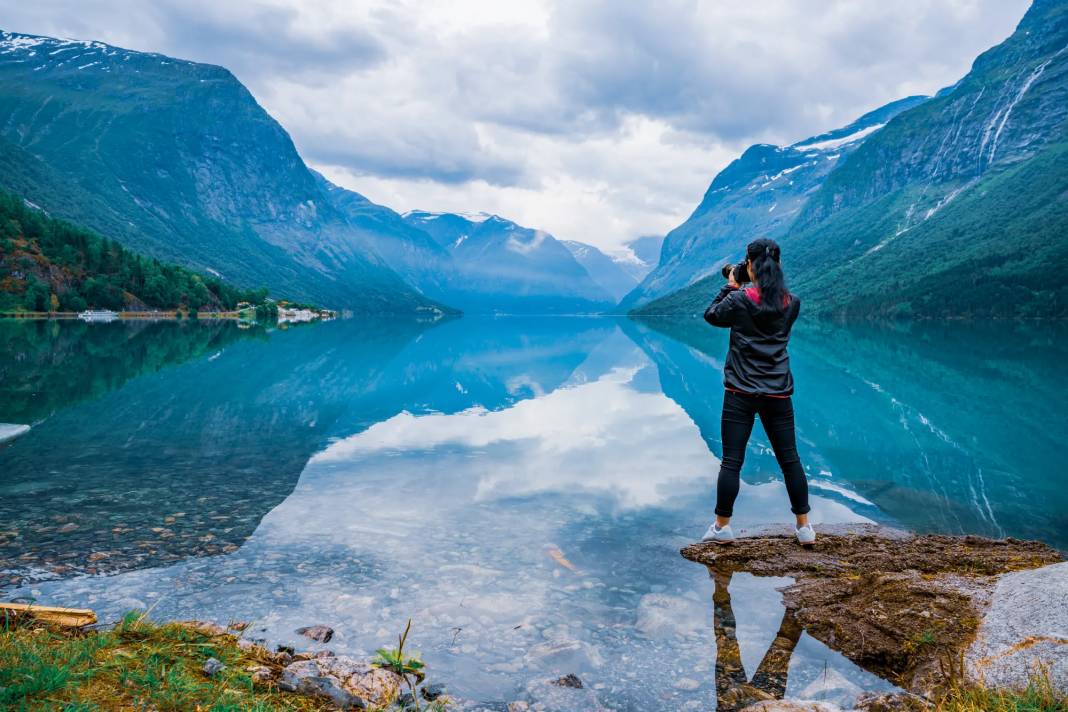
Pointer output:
x,y
764,254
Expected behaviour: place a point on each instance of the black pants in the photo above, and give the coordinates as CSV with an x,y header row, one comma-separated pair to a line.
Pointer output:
x,y
777,417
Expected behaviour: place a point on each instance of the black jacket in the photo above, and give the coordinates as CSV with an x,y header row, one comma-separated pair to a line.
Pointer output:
x,y
757,362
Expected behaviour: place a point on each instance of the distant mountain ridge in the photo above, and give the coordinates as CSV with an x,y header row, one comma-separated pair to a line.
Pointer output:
x,y
177,160
614,275
759,194
501,266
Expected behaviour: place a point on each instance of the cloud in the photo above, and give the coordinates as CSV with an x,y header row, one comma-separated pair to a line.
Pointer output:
x,y
592,119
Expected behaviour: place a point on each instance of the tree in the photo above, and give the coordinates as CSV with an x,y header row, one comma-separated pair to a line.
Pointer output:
x,y
37,296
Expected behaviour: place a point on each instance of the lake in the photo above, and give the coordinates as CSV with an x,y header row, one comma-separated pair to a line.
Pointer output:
x,y
518,487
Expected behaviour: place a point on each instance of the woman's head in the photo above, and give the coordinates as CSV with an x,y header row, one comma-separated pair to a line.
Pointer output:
x,y
766,273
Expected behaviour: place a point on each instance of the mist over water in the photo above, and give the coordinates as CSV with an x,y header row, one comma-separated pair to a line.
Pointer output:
x,y
518,487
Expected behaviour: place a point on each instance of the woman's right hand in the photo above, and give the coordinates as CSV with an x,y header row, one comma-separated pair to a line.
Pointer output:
x,y
731,282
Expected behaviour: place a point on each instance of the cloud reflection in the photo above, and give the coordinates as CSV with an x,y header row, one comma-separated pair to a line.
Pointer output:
x,y
603,436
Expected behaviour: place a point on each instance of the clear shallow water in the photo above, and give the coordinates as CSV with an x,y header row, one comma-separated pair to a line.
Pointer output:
x,y
518,487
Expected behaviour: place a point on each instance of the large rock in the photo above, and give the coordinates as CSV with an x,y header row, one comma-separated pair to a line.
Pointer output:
x,y
350,683
1025,626
901,605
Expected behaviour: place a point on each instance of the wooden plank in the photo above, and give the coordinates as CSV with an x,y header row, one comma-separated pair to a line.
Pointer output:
x,y
70,617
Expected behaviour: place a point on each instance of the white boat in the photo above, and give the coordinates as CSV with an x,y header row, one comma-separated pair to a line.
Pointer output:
x,y
98,315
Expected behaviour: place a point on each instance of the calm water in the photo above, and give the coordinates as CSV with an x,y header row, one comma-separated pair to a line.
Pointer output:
x,y
518,487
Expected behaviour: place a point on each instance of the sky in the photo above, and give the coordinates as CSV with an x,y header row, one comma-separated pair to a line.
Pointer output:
x,y
596,120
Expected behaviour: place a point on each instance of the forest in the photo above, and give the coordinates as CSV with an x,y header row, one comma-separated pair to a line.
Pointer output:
x,y
50,265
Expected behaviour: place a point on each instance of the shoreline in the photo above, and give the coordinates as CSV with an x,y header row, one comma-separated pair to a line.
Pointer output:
x,y
143,316
944,617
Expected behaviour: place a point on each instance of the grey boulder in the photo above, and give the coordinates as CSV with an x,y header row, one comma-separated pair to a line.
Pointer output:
x,y
1025,627
350,683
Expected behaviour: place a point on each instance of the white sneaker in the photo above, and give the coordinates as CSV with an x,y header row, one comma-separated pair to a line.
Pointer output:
x,y
806,535
719,535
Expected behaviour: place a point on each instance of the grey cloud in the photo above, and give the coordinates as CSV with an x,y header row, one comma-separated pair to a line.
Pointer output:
x,y
417,157
268,44
388,95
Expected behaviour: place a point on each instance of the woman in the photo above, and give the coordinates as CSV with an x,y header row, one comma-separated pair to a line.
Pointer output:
x,y
758,381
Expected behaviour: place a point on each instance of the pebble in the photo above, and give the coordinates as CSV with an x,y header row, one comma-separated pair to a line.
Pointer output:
x,y
213,667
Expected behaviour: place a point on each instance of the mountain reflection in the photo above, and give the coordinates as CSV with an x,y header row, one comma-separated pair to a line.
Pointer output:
x,y
157,441
937,427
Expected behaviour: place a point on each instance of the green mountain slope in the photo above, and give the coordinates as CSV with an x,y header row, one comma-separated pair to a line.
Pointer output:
x,y
957,207
177,160
759,194
51,265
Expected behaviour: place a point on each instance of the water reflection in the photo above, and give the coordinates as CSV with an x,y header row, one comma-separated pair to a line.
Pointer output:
x,y
169,462
520,488
932,426
523,501
734,688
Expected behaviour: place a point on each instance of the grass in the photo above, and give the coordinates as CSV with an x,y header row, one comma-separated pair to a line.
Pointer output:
x,y
137,665
143,666
1040,696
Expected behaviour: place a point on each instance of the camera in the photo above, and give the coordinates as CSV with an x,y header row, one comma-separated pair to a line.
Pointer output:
x,y
740,271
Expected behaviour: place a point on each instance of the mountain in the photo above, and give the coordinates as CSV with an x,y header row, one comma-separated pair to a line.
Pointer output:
x,y
176,160
50,265
646,252
759,194
409,251
502,267
608,273
958,207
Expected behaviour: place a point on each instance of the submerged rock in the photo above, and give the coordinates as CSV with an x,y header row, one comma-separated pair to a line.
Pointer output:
x,y
318,633
662,615
550,695
901,605
1026,625
563,654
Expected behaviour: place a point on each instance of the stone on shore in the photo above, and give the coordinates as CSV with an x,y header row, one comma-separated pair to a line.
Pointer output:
x,y
350,683
213,667
792,706
1026,625
901,605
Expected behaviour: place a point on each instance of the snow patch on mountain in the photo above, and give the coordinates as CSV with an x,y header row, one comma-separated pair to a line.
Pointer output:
x,y
833,143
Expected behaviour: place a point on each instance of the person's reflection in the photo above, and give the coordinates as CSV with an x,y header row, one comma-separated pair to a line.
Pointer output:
x,y
733,690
